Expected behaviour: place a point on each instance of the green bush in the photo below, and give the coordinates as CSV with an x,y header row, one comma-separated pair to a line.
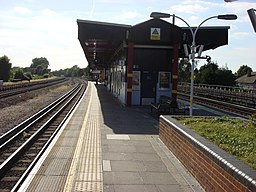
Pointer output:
x,y
235,136
46,75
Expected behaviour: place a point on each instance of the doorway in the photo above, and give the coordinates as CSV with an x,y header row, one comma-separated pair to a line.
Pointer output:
x,y
148,87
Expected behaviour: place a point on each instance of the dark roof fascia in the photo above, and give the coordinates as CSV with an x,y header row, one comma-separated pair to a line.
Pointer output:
x,y
207,36
103,23
207,27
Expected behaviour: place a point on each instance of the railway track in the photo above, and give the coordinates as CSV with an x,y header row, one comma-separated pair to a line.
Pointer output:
x,y
29,87
21,147
231,94
230,107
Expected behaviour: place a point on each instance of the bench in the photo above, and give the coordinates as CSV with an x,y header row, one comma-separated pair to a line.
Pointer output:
x,y
167,106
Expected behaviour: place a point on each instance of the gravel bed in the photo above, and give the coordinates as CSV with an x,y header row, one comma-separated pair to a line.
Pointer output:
x,y
15,109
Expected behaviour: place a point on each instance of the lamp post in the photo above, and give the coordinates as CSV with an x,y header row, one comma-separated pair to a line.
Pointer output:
x,y
252,15
159,15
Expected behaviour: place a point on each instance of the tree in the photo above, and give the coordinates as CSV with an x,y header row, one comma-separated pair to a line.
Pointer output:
x,y
206,74
81,72
225,77
184,70
39,65
39,70
5,68
28,76
87,71
18,73
212,74
243,70
74,71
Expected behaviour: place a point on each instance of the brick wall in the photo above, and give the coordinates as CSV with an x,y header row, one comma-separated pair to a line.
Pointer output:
x,y
212,167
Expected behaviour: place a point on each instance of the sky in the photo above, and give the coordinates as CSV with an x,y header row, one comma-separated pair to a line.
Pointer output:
x,y
48,28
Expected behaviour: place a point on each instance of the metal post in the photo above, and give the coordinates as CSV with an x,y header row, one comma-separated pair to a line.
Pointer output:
x,y
193,52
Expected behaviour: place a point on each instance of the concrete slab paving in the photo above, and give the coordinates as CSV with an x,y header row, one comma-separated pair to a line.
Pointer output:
x,y
129,143
117,150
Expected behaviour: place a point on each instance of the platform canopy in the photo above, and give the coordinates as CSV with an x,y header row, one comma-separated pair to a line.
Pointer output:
x,y
100,40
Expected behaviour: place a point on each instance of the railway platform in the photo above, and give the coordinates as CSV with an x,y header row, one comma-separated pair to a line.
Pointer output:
x,y
107,147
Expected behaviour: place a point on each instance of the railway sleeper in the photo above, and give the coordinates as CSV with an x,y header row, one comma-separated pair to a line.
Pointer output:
x,y
10,179
47,135
42,139
6,154
25,161
18,168
38,144
13,148
31,155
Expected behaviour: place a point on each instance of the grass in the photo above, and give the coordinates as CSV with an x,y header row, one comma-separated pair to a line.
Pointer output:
x,y
235,136
33,80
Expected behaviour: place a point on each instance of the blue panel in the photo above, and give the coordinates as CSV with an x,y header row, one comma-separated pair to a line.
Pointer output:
x,y
166,92
135,97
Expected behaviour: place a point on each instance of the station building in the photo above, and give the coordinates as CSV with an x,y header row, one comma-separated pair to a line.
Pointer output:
x,y
139,63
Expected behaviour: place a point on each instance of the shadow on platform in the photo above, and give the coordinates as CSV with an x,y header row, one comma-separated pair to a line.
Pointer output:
x,y
125,120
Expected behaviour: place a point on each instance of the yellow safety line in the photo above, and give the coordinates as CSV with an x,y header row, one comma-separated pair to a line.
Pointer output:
x,y
73,167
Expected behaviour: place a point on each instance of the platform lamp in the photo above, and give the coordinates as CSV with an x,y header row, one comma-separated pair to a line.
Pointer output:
x,y
252,15
158,15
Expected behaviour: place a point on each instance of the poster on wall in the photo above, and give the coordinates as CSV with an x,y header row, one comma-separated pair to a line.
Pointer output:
x,y
164,80
136,80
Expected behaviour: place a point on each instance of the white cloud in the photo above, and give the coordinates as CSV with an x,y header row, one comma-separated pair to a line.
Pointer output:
x,y
48,13
21,10
239,35
188,8
129,15
44,34
92,9
239,7
192,7
32,30
233,57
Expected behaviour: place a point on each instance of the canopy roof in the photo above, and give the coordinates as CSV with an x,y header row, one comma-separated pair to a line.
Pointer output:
x,y
101,40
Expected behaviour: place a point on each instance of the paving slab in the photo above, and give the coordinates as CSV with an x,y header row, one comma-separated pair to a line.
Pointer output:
x,y
133,156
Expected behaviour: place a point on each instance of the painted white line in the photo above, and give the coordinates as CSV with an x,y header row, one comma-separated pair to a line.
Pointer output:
x,y
106,165
118,137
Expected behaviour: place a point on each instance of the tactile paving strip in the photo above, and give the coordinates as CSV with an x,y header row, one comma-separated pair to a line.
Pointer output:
x,y
89,173
88,186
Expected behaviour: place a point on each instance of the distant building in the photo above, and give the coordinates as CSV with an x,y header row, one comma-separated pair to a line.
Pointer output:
x,y
248,80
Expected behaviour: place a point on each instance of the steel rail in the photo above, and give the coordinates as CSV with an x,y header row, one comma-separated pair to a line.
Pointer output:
x,y
19,90
220,105
31,166
6,136
7,164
